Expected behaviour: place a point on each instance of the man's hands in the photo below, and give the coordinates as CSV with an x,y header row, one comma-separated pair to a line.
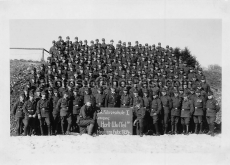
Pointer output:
x,y
39,116
135,122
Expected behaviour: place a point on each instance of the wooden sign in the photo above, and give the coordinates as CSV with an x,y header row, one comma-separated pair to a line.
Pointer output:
x,y
117,121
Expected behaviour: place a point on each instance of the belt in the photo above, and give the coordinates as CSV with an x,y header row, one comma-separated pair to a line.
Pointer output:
x,y
65,107
210,109
165,106
76,105
44,109
197,107
185,109
30,110
175,108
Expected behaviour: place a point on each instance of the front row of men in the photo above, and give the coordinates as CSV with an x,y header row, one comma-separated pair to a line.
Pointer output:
x,y
78,113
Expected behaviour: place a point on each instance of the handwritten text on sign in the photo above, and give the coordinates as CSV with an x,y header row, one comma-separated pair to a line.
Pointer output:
x,y
115,121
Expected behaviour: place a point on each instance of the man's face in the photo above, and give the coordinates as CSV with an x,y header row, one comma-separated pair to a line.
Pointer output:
x,y
198,93
135,94
21,98
138,106
66,95
31,97
43,96
88,104
163,93
210,97
175,94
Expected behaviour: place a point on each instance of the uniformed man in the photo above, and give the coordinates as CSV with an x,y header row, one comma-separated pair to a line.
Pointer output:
x,y
212,107
17,111
167,105
156,108
44,108
64,105
136,98
55,112
186,113
87,118
112,98
100,97
175,112
199,105
88,97
126,99
29,108
140,121
77,104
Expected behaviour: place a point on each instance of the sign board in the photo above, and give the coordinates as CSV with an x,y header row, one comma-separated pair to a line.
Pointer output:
x,y
117,121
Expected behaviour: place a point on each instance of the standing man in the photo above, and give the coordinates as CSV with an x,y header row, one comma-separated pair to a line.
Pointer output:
x,y
186,113
212,107
112,98
175,111
167,105
55,112
29,108
156,108
17,111
64,105
44,111
199,105
140,121
126,99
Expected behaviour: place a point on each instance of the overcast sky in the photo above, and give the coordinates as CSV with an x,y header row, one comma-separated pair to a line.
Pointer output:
x,y
201,36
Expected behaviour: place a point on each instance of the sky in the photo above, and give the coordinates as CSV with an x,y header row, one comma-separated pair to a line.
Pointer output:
x,y
203,37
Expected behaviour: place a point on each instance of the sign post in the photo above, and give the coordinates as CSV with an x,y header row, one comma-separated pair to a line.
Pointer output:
x,y
116,121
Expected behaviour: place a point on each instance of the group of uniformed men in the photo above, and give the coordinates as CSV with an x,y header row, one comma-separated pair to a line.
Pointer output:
x,y
67,91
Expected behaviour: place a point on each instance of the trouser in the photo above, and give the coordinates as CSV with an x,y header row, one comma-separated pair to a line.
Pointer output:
x,y
155,122
67,118
174,123
48,123
75,119
19,125
86,125
198,119
166,121
210,121
140,127
185,120
56,124
29,122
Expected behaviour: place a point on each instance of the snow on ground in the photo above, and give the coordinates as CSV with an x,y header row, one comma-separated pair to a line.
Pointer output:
x,y
22,149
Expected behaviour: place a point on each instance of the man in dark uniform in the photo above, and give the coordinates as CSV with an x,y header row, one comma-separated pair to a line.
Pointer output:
x,y
88,97
77,104
167,105
112,98
29,108
64,105
199,105
140,121
87,118
175,111
136,98
100,97
156,108
186,113
55,112
212,107
17,111
44,111
126,99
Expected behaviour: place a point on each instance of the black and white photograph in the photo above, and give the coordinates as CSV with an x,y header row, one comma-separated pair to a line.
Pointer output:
x,y
103,89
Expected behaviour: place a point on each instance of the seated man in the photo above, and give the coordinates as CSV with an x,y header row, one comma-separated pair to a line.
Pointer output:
x,y
87,118
140,113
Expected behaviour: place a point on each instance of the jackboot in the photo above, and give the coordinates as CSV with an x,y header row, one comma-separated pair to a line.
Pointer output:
x,y
196,129
49,131
41,129
184,129
62,129
209,132
157,130
172,129
165,130
212,129
187,130
176,129
201,128
90,129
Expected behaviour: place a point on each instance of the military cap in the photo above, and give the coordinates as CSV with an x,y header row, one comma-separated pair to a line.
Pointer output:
x,y
185,95
119,41
136,42
129,43
111,40
67,37
181,89
65,92
31,93
167,46
76,37
43,92
210,93
175,91
53,41
135,91
97,40
163,90
159,43
154,93
59,37
146,44
55,91
185,62
91,42
80,41
48,58
198,91
38,90
85,40
124,43
125,89
145,91
103,39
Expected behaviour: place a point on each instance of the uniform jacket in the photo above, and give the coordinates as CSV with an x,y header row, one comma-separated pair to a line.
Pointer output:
x,y
30,107
212,107
112,100
139,113
17,109
64,105
166,103
87,113
176,106
199,105
44,107
77,103
156,107
187,108
126,100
